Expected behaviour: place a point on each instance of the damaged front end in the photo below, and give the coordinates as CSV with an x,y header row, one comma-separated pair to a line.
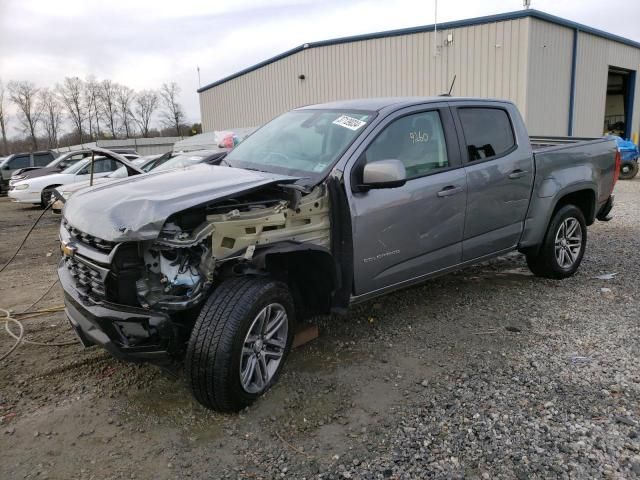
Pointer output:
x,y
196,249
139,298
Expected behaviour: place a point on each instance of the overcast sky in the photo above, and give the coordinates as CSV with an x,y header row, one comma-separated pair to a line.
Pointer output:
x,y
143,43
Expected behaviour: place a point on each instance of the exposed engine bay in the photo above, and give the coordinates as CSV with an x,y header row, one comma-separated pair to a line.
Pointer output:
x,y
196,247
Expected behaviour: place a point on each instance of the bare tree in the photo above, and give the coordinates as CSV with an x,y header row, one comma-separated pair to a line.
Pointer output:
x,y
124,101
3,119
71,94
92,103
51,115
146,103
109,101
23,94
172,113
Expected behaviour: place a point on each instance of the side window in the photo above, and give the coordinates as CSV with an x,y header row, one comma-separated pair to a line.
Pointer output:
x,y
104,165
416,140
19,162
42,159
487,131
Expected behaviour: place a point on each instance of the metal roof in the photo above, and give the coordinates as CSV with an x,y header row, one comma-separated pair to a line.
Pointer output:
x,y
501,17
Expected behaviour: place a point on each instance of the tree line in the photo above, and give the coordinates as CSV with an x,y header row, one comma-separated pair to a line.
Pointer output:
x,y
76,111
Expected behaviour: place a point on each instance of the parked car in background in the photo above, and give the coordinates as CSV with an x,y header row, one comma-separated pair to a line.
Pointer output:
x,y
323,207
629,157
142,164
65,160
19,161
153,162
38,190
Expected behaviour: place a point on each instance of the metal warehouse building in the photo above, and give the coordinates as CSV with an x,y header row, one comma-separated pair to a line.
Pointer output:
x,y
566,78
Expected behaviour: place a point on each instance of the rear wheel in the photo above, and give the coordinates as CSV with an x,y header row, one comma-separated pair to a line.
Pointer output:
x,y
628,170
563,248
240,342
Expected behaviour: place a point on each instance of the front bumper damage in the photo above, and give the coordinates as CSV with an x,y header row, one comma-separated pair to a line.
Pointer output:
x,y
128,333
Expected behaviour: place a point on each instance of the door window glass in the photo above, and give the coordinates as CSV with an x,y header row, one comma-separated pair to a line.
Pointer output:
x,y
416,140
42,159
19,162
487,131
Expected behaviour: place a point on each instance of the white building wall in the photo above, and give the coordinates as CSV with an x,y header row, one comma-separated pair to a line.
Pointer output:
x,y
549,78
488,60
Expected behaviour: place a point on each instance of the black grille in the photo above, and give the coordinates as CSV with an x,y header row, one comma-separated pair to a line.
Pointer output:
x,y
88,279
87,239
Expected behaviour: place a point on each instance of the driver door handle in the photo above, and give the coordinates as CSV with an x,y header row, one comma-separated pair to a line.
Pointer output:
x,y
449,190
517,174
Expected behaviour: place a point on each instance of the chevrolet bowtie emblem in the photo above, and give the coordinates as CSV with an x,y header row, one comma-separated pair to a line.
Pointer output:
x,y
68,250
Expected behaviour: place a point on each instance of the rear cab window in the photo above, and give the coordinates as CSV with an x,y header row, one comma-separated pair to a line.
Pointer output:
x,y
488,132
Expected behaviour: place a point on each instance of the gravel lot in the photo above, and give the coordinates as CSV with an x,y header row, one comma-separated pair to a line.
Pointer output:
x,y
487,373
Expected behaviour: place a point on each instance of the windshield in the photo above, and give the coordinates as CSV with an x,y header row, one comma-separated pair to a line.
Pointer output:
x,y
300,142
180,161
76,167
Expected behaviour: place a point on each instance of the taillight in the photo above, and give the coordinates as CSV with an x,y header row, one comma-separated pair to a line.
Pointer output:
x,y
616,171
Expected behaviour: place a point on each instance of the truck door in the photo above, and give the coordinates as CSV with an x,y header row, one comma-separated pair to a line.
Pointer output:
x,y
499,176
402,233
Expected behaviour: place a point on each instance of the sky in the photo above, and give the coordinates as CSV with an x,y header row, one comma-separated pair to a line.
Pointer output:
x,y
144,43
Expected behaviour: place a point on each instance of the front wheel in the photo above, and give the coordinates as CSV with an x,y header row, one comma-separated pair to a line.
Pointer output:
x,y
240,342
46,196
628,170
561,253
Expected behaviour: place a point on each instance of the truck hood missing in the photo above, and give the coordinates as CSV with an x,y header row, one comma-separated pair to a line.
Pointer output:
x,y
136,208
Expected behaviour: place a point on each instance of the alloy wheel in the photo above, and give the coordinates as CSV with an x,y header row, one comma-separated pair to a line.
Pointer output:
x,y
263,348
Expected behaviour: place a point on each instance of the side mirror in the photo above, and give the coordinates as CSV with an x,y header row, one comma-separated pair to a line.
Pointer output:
x,y
6,167
384,174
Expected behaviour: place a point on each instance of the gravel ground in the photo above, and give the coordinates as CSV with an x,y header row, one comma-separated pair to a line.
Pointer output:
x,y
486,373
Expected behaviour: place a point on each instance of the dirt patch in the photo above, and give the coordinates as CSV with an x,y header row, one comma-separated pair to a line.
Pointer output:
x,y
374,396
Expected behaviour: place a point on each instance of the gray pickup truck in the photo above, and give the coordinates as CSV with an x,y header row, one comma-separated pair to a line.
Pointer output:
x,y
323,207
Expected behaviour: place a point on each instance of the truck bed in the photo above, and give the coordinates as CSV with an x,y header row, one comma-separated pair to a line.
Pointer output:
x,y
539,143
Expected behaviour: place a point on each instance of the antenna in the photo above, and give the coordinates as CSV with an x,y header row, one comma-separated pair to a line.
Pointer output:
x,y
453,82
198,68
526,4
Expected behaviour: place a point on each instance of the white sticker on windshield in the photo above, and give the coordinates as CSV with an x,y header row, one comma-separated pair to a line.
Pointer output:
x,y
349,122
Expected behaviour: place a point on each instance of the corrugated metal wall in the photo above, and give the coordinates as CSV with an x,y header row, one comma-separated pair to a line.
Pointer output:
x,y
526,60
549,78
595,55
490,60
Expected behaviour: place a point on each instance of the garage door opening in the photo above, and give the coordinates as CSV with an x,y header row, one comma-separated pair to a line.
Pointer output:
x,y
619,103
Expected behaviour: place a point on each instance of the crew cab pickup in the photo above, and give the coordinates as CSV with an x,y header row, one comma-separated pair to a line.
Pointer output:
x,y
323,207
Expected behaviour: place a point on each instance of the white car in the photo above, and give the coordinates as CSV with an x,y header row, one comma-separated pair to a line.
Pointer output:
x,y
144,164
39,190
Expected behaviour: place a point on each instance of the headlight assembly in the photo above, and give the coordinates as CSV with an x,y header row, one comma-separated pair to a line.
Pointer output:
x,y
22,186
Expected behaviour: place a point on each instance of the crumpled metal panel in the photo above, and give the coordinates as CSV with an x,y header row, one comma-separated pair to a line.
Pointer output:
x,y
136,208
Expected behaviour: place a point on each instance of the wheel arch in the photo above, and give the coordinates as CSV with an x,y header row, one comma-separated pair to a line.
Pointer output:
x,y
582,195
309,271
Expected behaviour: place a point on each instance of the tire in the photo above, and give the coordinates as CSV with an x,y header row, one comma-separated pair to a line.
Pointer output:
x,y
546,262
46,195
628,170
216,356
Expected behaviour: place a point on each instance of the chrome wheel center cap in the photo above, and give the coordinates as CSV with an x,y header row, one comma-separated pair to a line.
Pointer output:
x,y
258,346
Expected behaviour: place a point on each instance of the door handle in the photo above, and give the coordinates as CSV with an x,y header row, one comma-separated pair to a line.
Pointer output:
x,y
449,191
517,174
